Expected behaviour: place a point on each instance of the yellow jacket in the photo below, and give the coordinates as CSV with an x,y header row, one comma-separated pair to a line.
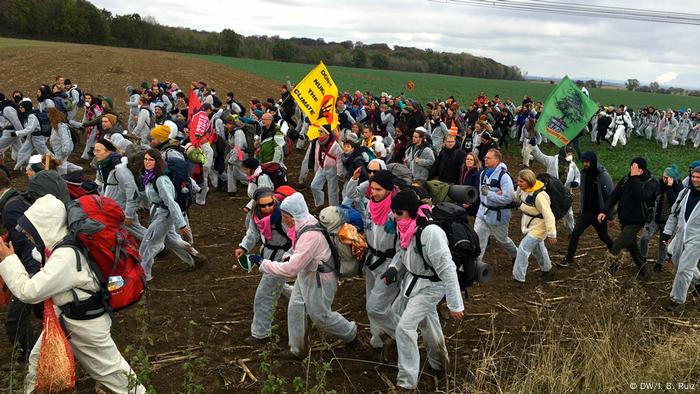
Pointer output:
x,y
538,219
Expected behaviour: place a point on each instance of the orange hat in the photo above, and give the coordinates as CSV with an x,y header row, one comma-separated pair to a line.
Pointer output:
x,y
454,130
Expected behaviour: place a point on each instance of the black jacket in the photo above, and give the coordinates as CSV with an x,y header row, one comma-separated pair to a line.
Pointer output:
x,y
665,198
13,207
632,195
447,165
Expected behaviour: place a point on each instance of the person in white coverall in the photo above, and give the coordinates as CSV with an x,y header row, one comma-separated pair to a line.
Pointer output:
x,y
316,283
266,227
426,280
684,225
325,152
45,224
621,122
382,241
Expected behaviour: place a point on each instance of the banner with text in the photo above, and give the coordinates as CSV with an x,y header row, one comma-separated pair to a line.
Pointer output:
x,y
565,113
316,95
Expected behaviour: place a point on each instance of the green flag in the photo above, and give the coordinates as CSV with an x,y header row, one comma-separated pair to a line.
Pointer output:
x,y
565,113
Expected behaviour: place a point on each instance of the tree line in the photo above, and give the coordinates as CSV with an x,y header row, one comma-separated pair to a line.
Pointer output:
x,y
80,21
653,87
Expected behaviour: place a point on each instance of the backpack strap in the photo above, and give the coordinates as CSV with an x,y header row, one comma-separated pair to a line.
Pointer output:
x,y
335,257
98,302
419,249
276,249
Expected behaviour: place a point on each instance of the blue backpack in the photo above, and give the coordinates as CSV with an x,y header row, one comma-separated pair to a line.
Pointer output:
x,y
178,173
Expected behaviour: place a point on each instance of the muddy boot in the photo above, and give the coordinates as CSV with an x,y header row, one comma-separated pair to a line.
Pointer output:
x,y
673,306
547,276
612,262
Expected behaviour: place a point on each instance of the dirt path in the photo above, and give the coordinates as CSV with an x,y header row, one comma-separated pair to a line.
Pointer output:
x,y
206,314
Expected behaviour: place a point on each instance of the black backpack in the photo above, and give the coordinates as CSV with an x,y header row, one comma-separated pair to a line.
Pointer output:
x,y
276,172
559,196
178,173
44,124
463,240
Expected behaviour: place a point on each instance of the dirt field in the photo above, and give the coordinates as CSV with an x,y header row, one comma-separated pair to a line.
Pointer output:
x,y
193,322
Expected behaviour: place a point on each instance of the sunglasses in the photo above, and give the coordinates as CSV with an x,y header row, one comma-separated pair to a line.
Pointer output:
x,y
398,212
271,204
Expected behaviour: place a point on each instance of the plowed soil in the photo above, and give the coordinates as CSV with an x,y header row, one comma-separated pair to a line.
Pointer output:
x,y
204,315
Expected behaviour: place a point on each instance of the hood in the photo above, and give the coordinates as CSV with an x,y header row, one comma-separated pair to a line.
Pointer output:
x,y
48,182
537,186
382,163
331,219
45,221
591,157
295,206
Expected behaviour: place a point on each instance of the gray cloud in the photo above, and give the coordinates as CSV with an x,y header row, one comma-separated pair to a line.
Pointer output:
x,y
542,44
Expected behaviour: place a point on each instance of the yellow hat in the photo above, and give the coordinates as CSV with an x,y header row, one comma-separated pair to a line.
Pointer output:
x,y
160,133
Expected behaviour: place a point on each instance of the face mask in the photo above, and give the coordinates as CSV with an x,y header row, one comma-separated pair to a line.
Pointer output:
x,y
17,99
569,158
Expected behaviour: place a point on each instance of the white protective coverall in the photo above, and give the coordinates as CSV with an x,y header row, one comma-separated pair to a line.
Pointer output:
x,y
313,291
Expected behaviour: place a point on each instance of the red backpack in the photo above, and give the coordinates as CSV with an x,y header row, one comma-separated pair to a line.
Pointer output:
x,y
96,226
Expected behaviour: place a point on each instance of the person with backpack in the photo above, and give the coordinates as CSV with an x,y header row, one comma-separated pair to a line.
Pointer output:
x,y
115,180
237,151
634,196
166,216
382,242
684,249
9,125
92,133
669,189
537,224
61,141
596,188
143,122
133,104
67,283
419,155
43,96
487,143
268,228
313,262
34,133
324,156
271,143
448,162
429,277
497,194
77,100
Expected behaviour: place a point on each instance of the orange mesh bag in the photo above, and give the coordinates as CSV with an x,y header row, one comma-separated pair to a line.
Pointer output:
x,y
55,371
349,235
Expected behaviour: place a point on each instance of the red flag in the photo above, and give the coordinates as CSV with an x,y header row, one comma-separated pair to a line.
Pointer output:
x,y
193,105
200,129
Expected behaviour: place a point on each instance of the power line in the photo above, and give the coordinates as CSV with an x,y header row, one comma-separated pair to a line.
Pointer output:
x,y
578,9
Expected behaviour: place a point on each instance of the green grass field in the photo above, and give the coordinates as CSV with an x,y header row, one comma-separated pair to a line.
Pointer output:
x,y
431,86
6,43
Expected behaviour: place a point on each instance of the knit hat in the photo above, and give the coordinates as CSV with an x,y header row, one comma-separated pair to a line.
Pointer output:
x,y
112,118
144,85
352,138
160,133
107,144
640,161
673,172
258,113
384,179
262,192
405,200
694,164
696,170
251,163
110,102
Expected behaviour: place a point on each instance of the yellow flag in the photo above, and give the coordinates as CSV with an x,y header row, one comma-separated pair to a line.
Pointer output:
x,y
316,95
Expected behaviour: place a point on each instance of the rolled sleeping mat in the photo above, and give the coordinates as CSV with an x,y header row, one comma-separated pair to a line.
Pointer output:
x,y
463,194
484,272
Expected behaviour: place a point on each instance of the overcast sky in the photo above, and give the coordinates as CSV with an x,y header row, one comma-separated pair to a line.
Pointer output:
x,y
542,44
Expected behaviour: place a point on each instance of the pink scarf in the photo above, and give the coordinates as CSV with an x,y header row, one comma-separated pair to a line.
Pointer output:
x,y
379,211
255,174
407,227
264,225
292,234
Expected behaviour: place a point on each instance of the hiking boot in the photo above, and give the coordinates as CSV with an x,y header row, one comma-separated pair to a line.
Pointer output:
x,y
673,306
289,355
200,260
546,275
566,263
516,283
251,340
658,268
